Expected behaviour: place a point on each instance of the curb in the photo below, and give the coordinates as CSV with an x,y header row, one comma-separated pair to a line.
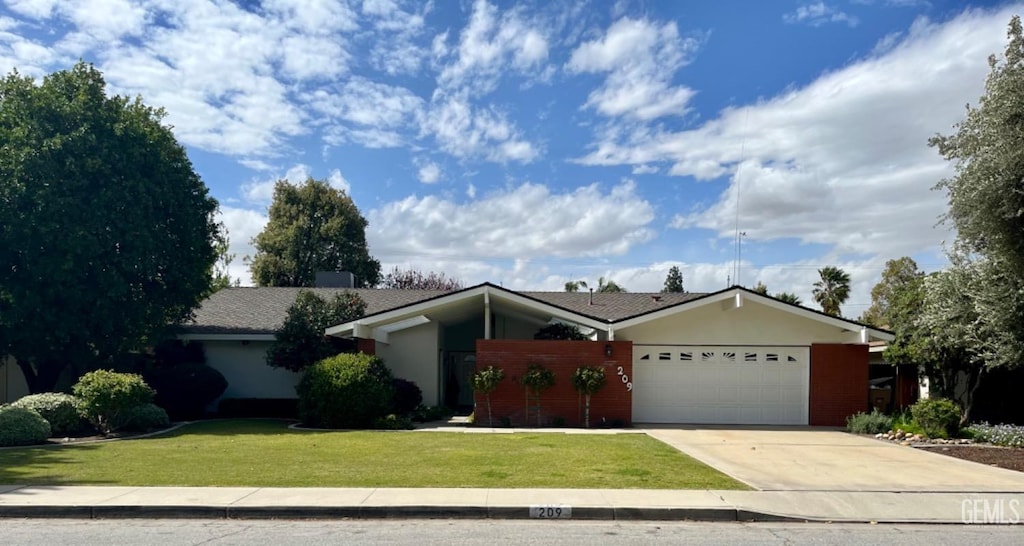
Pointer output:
x,y
385,512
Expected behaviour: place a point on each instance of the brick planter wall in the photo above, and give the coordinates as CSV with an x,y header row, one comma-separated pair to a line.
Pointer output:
x,y
613,402
839,383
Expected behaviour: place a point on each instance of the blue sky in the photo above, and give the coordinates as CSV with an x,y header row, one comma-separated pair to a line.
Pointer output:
x,y
530,143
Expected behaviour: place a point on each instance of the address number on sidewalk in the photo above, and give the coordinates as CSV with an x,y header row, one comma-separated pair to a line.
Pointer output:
x,y
550,511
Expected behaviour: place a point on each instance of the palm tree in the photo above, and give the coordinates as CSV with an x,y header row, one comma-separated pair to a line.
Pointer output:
x,y
789,297
574,286
832,290
608,286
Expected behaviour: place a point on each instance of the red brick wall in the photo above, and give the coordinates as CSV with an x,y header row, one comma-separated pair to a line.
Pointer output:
x,y
368,346
613,402
839,383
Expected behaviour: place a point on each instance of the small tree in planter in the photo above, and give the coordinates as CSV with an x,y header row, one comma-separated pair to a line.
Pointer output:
x,y
485,382
537,379
587,380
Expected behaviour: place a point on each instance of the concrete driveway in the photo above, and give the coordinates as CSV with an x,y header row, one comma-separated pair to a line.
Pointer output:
x,y
813,459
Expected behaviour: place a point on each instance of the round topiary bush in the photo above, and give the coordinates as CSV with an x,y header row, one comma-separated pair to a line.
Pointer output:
x,y
59,409
185,390
143,418
408,396
103,395
22,427
345,391
938,417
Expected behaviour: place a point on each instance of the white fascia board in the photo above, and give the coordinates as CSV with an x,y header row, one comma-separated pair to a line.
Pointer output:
x,y
403,324
737,296
404,312
227,337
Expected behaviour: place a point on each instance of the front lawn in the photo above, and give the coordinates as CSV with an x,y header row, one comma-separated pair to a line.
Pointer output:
x,y
265,453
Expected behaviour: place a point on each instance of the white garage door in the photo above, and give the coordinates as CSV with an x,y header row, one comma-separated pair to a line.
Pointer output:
x,y
715,384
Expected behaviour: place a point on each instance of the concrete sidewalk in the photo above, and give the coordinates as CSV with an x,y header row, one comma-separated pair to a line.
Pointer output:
x,y
245,502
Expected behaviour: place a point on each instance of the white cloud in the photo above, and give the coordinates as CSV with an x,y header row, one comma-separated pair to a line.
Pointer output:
x,y
37,9
338,182
242,226
396,51
640,58
465,131
490,44
842,161
522,222
429,173
262,191
471,191
365,102
818,14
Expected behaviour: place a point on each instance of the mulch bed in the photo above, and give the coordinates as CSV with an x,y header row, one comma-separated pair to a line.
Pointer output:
x,y
1003,457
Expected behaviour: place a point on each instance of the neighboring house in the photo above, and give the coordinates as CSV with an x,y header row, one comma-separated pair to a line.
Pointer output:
x,y
732,356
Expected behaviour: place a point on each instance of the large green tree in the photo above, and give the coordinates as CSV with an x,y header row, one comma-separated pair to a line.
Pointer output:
x,y
673,281
414,279
943,327
897,274
106,232
986,200
312,227
301,341
832,289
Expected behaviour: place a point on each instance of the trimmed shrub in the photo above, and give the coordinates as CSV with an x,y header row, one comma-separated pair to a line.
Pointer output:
x,y
869,423
22,427
103,395
345,391
407,396
59,409
1000,435
185,390
281,408
938,417
486,381
393,422
143,418
426,414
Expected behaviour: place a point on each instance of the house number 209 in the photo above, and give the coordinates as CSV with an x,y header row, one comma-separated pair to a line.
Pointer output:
x,y
625,379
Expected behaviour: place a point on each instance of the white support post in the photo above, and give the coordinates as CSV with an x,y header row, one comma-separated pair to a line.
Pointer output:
x,y
487,315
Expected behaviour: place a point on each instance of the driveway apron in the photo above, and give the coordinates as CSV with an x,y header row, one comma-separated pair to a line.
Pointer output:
x,y
813,459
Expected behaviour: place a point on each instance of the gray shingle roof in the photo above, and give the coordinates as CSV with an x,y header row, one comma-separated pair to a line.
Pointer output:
x,y
251,310
613,306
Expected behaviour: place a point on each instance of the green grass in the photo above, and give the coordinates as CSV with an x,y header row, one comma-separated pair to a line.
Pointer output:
x,y
265,453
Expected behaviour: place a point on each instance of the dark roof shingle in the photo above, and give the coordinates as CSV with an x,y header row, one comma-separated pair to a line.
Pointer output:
x,y
252,310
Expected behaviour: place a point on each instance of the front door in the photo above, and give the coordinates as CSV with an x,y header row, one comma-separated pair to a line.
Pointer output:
x,y
458,390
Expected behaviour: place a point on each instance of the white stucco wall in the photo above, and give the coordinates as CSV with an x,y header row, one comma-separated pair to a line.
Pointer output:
x,y
245,368
412,354
751,324
12,381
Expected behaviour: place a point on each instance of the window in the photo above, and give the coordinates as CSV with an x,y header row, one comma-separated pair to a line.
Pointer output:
x,y
750,357
731,357
646,357
706,356
664,356
771,357
686,356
